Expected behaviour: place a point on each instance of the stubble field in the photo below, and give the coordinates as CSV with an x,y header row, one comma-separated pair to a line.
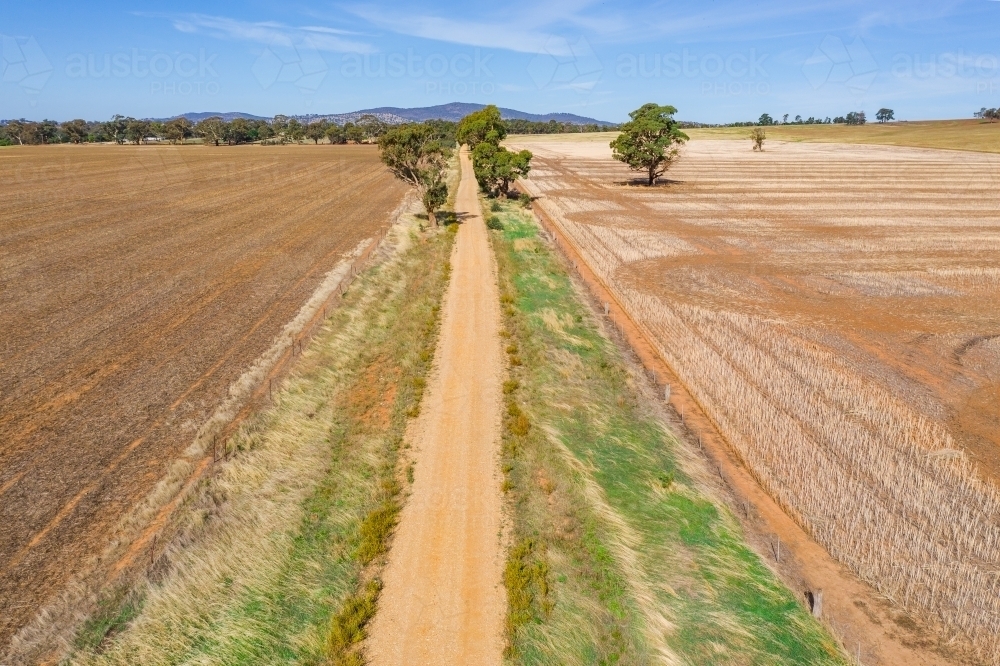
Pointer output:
x,y
834,310
138,283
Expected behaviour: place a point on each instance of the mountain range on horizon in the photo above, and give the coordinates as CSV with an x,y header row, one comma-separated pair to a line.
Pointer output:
x,y
396,115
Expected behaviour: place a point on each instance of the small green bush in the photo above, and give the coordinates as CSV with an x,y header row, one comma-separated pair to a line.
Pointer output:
x,y
348,626
525,200
526,579
496,207
494,223
376,529
518,423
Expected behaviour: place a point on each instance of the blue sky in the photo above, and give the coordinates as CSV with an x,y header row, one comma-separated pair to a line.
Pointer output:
x,y
715,60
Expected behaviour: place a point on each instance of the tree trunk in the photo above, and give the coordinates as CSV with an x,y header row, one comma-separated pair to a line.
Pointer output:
x,y
652,176
430,216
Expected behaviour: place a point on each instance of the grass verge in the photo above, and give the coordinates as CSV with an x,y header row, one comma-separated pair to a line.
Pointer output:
x,y
621,554
278,555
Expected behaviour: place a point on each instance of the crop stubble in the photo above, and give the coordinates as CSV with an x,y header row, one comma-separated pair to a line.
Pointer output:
x,y
137,284
833,309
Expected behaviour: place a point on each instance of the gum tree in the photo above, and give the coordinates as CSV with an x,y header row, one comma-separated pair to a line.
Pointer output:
x,y
479,126
649,142
416,156
496,167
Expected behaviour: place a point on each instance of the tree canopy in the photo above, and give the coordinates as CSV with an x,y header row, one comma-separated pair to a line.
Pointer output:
x,y
483,125
649,141
416,156
496,167
884,115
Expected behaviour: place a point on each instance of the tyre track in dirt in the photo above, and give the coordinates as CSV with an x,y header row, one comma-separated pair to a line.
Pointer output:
x,y
230,275
443,600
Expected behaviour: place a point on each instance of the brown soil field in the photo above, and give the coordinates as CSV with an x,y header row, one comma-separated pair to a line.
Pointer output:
x,y
833,309
138,283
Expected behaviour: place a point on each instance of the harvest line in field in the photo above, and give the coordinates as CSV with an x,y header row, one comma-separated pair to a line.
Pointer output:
x,y
178,308
680,269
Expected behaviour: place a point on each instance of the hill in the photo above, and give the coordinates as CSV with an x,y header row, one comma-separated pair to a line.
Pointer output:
x,y
397,115
458,110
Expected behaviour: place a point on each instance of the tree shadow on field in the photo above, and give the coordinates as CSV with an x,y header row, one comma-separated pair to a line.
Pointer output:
x,y
642,182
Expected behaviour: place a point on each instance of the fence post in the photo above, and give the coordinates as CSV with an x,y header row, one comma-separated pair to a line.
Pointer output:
x,y
816,599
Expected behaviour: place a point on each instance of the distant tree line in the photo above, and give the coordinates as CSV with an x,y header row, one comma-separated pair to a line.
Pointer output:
x,y
853,118
217,132
519,126
991,115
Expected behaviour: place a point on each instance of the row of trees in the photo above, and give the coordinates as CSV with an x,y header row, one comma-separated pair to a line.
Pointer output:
x,y
496,167
418,153
991,115
518,126
217,131
883,115
214,130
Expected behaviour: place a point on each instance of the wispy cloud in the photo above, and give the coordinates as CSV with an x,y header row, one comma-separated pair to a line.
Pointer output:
x,y
454,31
270,32
537,26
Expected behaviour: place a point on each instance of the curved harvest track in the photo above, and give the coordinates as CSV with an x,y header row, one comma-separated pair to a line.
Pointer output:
x,y
138,283
832,312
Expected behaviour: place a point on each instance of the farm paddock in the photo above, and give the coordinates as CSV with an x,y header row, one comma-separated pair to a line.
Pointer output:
x,y
138,283
834,310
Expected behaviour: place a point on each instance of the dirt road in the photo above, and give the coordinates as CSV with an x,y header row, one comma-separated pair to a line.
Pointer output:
x,y
443,601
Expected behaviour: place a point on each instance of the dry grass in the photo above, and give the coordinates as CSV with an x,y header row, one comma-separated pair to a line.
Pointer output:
x,y
974,135
273,546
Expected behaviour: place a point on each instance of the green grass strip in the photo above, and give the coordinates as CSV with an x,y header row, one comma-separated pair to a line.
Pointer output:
x,y
618,555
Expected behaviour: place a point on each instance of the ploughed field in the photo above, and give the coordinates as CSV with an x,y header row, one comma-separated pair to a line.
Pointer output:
x,y
137,284
835,310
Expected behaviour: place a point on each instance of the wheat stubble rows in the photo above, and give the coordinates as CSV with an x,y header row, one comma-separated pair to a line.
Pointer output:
x,y
834,309
137,284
